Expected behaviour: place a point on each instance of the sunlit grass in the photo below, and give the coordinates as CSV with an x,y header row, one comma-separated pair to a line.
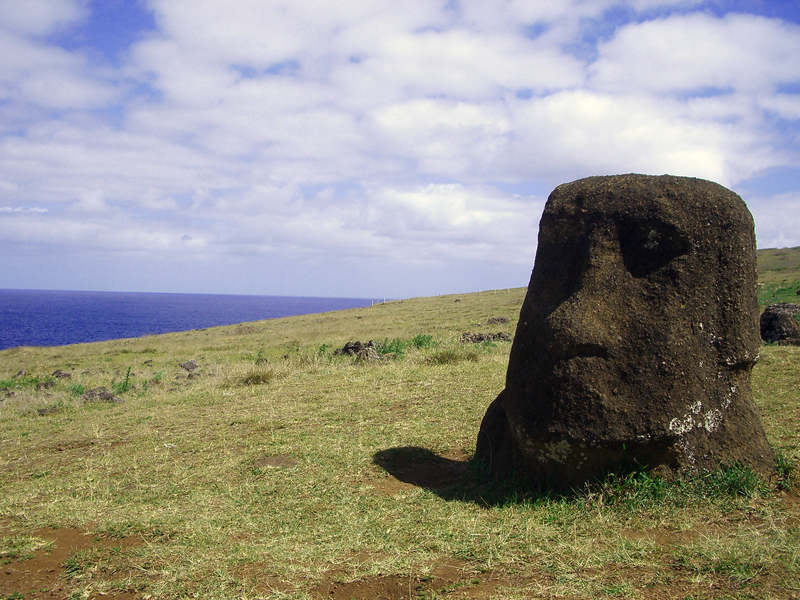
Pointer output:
x,y
175,466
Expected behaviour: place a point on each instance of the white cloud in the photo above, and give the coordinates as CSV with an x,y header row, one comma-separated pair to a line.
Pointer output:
x,y
90,201
447,137
35,73
312,133
459,220
8,186
467,65
694,53
580,133
777,220
40,17
785,106
20,209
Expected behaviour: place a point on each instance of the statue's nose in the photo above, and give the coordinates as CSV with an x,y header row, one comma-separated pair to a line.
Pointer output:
x,y
587,323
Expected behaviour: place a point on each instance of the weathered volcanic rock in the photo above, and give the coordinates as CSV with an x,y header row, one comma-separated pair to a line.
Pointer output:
x,y
636,338
476,338
189,365
366,352
100,394
778,323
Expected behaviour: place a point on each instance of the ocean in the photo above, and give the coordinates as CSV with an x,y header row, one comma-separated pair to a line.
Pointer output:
x,y
56,318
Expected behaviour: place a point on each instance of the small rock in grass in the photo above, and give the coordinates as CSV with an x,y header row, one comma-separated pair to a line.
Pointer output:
x,y
477,338
496,320
190,365
361,351
101,394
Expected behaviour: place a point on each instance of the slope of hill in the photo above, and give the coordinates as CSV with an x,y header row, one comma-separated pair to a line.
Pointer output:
x,y
778,275
279,469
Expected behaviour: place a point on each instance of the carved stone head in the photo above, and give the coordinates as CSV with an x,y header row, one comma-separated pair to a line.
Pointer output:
x,y
636,338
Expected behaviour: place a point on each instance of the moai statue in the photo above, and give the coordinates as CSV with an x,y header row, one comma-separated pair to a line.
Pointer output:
x,y
636,339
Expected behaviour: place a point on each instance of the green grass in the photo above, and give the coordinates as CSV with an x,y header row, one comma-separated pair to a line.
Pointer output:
x,y
779,276
21,546
772,293
176,469
776,264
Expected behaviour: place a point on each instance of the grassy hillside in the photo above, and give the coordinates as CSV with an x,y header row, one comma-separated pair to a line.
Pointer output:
x,y
280,470
778,275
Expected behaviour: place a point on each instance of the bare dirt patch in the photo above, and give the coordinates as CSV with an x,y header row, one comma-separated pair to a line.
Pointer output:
x,y
447,580
262,581
275,462
43,574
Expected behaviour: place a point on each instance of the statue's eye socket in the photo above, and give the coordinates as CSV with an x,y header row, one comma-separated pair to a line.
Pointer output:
x,y
647,247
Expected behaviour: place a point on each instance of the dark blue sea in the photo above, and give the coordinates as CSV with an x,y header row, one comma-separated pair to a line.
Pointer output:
x,y
56,318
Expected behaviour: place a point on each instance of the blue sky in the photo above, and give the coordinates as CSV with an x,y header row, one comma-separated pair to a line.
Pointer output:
x,y
367,149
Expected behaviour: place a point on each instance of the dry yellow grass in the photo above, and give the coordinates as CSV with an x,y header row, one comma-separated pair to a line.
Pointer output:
x,y
278,470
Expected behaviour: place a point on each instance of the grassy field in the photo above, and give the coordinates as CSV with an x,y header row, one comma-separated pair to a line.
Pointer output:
x,y
280,470
779,275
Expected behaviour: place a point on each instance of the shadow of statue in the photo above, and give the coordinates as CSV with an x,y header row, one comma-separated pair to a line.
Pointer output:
x,y
464,480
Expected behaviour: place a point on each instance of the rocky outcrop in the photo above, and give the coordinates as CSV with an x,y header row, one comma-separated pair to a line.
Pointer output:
x,y
189,365
476,338
366,352
496,320
101,394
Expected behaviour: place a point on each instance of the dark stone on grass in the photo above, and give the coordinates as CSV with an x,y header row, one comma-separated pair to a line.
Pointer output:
x,y
20,373
496,320
778,323
190,365
476,338
45,385
100,394
636,338
61,374
366,352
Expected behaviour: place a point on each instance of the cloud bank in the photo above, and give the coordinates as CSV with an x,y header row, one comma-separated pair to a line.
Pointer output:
x,y
366,149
